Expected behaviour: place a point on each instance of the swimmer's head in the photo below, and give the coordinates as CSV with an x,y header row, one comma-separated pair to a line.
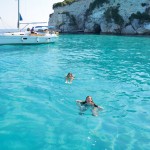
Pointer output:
x,y
89,99
69,75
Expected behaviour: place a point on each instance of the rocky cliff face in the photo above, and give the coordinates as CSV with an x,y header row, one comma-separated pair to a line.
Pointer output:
x,y
103,16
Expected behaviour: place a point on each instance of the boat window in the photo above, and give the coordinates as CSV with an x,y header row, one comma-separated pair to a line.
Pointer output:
x,y
24,38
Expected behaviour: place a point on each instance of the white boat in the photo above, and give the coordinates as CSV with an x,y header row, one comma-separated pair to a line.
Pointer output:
x,y
27,38
41,35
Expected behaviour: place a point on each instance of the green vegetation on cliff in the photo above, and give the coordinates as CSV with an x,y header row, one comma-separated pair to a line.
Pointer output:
x,y
142,17
64,3
95,4
113,13
71,17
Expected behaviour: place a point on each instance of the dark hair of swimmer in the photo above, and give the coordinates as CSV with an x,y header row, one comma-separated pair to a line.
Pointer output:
x,y
89,100
69,75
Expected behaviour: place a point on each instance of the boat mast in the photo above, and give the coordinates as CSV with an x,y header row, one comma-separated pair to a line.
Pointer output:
x,y
18,25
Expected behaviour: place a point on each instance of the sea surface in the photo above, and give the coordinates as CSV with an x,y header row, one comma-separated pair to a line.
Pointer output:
x,y
38,109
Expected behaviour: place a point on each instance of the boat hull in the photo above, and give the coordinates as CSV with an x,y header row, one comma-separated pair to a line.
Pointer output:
x,y
26,39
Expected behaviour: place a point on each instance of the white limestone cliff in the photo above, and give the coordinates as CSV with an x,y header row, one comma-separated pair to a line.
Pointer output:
x,y
105,16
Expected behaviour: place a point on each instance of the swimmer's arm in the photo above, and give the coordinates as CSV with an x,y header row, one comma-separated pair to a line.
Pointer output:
x,y
79,102
100,108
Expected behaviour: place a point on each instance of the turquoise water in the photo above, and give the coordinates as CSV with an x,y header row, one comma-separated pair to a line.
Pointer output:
x,y
38,110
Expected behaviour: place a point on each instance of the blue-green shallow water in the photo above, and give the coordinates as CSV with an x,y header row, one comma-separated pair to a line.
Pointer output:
x,y
38,110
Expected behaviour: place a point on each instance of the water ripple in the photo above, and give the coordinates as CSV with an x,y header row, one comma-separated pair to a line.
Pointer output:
x,y
38,110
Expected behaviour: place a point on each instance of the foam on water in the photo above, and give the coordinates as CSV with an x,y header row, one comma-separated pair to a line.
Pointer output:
x,y
38,110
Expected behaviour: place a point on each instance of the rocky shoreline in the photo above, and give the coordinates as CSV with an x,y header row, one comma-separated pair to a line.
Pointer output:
x,y
109,34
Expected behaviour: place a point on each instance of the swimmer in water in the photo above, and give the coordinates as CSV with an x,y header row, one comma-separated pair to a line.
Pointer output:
x,y
88,103
69,78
